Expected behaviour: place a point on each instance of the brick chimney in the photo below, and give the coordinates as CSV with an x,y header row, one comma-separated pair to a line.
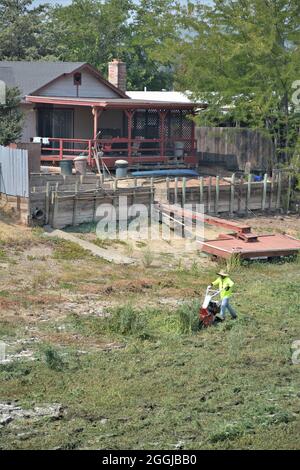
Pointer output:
x,y
117,74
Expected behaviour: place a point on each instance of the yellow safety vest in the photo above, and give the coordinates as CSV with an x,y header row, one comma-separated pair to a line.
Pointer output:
x,y
222,283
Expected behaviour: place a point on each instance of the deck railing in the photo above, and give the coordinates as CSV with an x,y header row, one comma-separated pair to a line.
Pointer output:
x,y
135,150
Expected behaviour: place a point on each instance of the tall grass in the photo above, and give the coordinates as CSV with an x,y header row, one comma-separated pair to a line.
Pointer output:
x,y
148,258
126,320
188,317
53,358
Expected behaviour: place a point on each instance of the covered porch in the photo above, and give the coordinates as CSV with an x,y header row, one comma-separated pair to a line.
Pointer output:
x,y
142,132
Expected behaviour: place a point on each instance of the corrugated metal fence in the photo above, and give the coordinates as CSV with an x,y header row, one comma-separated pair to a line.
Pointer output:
x,y
14,176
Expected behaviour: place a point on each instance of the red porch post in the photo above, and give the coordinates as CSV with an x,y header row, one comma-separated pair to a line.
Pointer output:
x,y
162,116
129,114
96,113
193,138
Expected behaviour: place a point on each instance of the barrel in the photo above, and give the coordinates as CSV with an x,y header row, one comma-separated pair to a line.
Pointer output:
x,y
121,167
178,148
80,164
66,167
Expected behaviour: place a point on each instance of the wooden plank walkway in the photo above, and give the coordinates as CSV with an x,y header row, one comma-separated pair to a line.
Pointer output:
x,y
107,254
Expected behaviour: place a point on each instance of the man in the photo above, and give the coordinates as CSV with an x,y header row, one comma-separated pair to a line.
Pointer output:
x,y
225,285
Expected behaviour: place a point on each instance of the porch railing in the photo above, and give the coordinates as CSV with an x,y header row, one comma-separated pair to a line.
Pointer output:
x,y
135,150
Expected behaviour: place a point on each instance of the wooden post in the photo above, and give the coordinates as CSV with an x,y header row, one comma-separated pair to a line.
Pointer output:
x,y
240,195
47,203
61,151
278,198
183,191
209,196
151,190
232,190
94,206
289,193
167,188
96,113
271,191
115,184
201,189
162,116
264,194
248,199
75,204
129,113
55,207
176,191
217,195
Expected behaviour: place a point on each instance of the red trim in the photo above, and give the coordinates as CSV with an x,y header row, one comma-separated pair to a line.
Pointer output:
x,y
109,104
93,70
162,116
60,152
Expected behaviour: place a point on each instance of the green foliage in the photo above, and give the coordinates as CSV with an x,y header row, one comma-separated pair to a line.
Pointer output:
x,y
66,250
11,118
128,321
15,370
139,32
244,57
188,317
53,358
25,31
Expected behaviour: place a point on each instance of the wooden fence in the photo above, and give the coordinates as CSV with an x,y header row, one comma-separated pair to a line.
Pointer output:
x,y
232,147
61,202
236,196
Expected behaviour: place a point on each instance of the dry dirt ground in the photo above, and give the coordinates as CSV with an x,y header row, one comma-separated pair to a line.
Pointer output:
x,y
145,379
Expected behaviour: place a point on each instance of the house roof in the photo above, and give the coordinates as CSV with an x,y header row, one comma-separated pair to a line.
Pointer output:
x,y
111,103
170,96
30,77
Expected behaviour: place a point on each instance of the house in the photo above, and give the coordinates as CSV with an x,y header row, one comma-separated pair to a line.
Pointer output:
x,y
70,106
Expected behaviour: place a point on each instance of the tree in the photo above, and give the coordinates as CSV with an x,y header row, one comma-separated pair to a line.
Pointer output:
x,y
91,31
155,30
11,118
242,57
138,32
23,31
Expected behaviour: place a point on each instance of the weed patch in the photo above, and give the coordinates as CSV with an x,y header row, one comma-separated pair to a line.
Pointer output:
x,y
66,250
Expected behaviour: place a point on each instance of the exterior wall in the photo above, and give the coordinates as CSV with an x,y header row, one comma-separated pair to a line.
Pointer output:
x,y
111,119
29,126
83,123
91,87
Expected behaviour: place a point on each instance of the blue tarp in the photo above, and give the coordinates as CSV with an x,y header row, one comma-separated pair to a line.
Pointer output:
x,y
177,172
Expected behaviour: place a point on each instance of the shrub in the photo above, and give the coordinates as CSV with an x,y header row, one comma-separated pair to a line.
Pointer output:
x,y
128,321
53,359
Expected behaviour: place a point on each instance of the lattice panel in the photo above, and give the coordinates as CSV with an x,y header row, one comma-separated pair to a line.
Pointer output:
x,y
177,126
146,124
